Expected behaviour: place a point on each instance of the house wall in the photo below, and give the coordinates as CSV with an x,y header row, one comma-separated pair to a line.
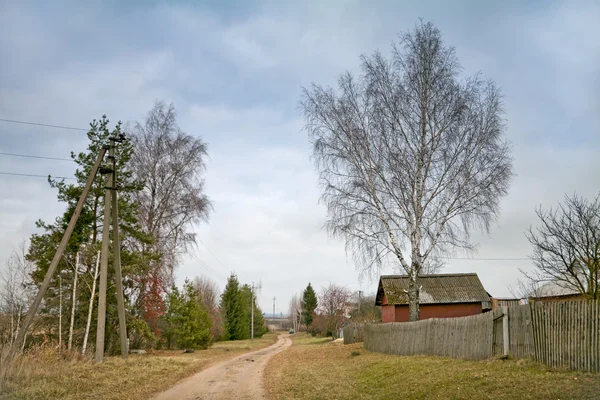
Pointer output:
x,y
387,313
504,303
400,312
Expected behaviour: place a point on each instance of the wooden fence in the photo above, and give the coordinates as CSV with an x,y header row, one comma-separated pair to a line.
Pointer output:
x,y
567,335
467,337
563,335
354,333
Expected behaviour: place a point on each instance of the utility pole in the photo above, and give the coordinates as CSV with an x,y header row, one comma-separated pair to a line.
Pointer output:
x,y
117,256
101,325
252,320
273,311
359,293
109,195
59,252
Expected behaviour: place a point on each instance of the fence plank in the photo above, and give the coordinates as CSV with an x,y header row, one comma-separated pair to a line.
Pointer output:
x,y
561,335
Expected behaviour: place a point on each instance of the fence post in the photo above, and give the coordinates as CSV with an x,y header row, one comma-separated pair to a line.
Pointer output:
x,y
505,335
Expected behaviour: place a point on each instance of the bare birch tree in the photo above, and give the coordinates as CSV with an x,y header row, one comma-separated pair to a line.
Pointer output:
x,y
566,246
296,312
16,287
411,157
171,164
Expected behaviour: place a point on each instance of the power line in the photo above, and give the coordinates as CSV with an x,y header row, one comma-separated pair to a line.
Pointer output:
x,y
214,255
40,124
205,265
35,176
40,157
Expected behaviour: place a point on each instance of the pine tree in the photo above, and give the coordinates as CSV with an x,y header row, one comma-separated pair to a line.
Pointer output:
x,y
232,311
187,322
309,305
87,233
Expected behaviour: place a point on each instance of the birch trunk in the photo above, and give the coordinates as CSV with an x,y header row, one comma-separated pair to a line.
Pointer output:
x,y
91,308
69,345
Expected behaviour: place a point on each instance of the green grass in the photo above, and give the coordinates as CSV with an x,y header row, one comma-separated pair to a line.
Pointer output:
x,y
313,369
42,376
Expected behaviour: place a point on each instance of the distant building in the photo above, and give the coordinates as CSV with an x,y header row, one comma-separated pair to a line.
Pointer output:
x,y
554,291
506,302
441,296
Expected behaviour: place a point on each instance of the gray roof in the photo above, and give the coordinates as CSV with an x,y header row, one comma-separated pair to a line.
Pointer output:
x,y
552,289
435,289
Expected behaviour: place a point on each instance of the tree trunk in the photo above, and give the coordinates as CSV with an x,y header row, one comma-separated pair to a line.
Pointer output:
x,y
75,273
91,308
413,296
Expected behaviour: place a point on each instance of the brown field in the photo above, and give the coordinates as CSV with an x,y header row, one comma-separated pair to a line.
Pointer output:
x,y
316,368
42,376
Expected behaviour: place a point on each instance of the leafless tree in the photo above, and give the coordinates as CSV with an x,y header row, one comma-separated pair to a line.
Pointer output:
x,y
208,295
334,306
364,308
171,163
16,288
409,156
296,311
208,292
566,246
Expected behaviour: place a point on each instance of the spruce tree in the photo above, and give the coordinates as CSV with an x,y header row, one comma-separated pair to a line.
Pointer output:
x,y
309,305
187,323
232,311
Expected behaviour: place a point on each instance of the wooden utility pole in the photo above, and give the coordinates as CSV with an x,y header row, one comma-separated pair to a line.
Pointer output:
x,y
252,320
273,313
109,195
117,258
59,252
101,325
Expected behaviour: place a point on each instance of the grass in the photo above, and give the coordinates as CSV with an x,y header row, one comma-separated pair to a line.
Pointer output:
x,y
42,376
316,368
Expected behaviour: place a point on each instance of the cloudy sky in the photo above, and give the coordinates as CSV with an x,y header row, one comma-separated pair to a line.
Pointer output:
x,y
234,71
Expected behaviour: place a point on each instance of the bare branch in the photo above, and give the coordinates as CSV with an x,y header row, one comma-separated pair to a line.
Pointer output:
x,y
409,155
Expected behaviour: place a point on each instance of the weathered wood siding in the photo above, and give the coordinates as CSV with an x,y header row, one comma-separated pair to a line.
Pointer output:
x,y
353,334
567,335
562,335
464,337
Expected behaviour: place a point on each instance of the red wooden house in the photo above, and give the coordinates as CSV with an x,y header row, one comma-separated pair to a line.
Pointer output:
x,y
441,296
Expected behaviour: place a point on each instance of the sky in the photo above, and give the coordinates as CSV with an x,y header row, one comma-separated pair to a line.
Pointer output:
x,y
234,71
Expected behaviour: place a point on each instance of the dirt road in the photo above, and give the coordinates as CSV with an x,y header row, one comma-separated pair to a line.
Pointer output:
x,y
238,378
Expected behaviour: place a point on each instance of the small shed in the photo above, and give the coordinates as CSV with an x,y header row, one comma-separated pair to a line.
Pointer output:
x,y
441,296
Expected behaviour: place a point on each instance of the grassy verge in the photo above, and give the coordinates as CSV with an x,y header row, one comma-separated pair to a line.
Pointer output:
x,y
316,369
42,376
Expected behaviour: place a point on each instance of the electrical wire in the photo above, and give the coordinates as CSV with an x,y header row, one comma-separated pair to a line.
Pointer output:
x,y
215,256
35,176
38,157
205,265
14,121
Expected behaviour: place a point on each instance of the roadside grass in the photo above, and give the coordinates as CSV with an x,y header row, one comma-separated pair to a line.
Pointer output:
x,y
43,376
316,369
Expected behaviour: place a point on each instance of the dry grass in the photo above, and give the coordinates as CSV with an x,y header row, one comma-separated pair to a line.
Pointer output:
x,y
317,369
42,376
